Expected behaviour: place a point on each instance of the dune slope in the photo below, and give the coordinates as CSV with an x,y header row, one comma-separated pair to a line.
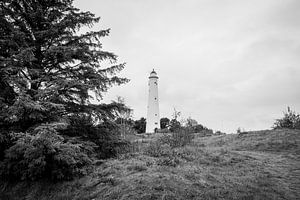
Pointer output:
x,y
253,165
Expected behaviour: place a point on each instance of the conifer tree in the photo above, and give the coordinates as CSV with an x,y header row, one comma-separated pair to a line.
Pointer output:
x,y
48,68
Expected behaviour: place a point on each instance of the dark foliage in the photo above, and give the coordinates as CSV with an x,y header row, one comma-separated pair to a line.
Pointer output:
x,y
164,122
43,154
46,73
140,125
105,137
179,138
219,133
199,128
291,119
5,142
121,121
174,125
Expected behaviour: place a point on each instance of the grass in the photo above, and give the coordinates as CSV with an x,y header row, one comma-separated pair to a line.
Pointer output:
x,y
254,165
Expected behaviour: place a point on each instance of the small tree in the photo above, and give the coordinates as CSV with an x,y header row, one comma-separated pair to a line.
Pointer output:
x,y
174,123
140,125
176,114
199,127
191,122
164,122
124,117
291,119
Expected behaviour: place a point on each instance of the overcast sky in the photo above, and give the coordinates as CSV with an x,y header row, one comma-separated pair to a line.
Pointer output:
x,y
225,63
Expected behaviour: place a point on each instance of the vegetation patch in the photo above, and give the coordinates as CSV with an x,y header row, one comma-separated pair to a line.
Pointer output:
x,y
234,170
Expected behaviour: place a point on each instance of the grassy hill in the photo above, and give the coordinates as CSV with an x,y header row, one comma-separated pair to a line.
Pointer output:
x,y
253,165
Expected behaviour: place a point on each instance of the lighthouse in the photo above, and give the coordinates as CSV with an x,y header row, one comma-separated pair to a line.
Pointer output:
x,y
152,122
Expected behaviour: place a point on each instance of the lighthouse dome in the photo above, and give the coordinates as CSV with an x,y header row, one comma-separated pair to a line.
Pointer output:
x,y
153,74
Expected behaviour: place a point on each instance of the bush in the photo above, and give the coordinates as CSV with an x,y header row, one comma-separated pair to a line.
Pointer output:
x,y
174,125
219,133
140,125
5,143
291,119
58,151
177,139
157,149
163,146
106,136
160,149
197,128
181,138
44,154
126,130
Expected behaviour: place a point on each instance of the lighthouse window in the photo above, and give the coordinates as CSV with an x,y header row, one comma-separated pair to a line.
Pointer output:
x,y
155,114
155,83
155,98
155,123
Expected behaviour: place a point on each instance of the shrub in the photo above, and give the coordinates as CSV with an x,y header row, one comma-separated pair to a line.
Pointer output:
x,y
219,133
291,119
106,136
5,143
126,130
174,125
157,149
197,128
180,138
164,123
167,156
163,147
140,125
177,139
44,154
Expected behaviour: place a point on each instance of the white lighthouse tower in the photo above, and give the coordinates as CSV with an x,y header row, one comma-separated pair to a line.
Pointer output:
x,y
152,122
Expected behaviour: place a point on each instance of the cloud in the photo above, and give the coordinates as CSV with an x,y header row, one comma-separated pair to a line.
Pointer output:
x,y
228,64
